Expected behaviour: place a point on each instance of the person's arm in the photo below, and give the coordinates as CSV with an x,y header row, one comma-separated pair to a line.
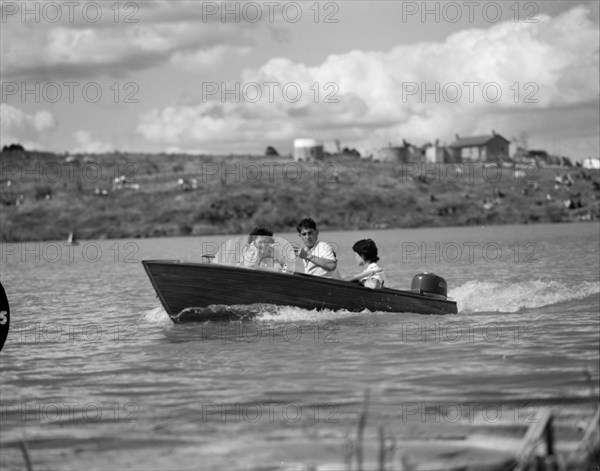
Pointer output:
x,y
324,263
362,274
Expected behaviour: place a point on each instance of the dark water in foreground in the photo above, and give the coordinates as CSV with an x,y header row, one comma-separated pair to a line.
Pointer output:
x,y
93,371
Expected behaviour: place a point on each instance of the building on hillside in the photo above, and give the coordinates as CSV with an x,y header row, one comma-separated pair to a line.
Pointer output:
x,y
538,154
541,157
434,153
521,156
591,163
488,148
308,149
404,153
389,154
558,161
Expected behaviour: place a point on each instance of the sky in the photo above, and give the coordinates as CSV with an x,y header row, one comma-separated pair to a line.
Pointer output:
x,y
236,77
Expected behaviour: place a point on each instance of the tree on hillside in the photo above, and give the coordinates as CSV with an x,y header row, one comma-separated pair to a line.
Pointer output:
x,y
13,148
271,151
352,152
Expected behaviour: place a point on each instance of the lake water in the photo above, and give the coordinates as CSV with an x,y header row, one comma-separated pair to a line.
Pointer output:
x,y
94,374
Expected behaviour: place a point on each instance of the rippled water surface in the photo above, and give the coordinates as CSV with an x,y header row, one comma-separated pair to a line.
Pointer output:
x,y
94,372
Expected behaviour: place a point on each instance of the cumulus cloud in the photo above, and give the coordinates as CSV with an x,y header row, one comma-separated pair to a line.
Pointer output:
x,y
27,129
13,119
80,48
43,121
469,83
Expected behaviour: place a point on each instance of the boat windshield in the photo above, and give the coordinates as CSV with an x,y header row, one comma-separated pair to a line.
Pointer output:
x,y
258,252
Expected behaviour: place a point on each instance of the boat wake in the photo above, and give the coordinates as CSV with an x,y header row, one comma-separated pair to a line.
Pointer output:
x,y
297,314
256,312
156,316
259,313
473,296
486,296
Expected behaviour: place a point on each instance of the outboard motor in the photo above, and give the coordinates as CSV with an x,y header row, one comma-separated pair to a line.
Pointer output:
x,y
430,284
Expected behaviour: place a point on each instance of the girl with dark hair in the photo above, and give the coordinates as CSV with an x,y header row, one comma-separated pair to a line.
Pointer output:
x,y
366,255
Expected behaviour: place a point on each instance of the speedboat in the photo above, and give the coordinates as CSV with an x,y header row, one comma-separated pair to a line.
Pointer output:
x,y
261,270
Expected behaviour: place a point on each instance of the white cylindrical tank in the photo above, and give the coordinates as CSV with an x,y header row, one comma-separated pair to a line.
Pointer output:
x,y
308,149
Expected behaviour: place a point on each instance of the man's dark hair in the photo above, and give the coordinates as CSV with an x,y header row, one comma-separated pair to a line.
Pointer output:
x,y
261,231
306,223
367,249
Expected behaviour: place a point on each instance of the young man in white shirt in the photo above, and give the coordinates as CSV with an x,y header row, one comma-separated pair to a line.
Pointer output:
x,y
319,257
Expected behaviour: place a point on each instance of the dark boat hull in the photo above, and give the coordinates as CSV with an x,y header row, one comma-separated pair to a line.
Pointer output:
x,y
181,285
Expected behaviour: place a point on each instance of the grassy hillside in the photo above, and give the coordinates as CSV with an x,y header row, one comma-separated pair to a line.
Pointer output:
x,y
45,196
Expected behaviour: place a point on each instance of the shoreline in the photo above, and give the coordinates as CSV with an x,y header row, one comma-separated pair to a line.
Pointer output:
x,y
280,234
46,196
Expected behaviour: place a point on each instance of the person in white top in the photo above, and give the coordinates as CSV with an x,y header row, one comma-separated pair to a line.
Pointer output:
x,y
319,257
366,255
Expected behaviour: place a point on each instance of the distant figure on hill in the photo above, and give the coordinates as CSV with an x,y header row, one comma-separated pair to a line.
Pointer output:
x,y
319,257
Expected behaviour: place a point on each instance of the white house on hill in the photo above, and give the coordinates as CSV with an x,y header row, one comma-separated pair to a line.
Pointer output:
x,y
591,163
